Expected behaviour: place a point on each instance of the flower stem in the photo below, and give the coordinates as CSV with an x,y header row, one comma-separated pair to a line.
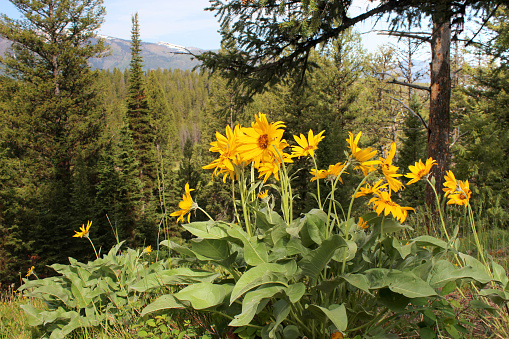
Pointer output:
x,y
317,184
97,256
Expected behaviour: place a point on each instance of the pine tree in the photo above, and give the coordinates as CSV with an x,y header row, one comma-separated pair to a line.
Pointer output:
x,y
58,115
140,123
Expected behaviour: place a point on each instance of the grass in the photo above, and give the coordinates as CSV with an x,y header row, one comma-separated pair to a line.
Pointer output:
x,y
13,321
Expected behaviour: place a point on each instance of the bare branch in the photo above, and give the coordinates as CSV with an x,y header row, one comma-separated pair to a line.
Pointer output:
x,y
423,36
424,88
414,113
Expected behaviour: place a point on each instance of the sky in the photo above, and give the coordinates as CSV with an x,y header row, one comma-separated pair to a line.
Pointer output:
x,y
183,22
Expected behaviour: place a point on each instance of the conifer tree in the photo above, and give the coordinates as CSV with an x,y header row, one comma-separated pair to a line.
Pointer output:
x,y
58,115
140,123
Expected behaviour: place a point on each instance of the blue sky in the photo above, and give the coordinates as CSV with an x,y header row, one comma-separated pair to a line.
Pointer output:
x,y
181,22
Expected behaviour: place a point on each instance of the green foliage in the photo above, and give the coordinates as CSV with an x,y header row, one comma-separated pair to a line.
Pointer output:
x,y
90,295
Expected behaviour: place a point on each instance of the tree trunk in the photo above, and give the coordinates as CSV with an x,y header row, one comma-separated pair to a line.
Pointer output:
x,y
438,133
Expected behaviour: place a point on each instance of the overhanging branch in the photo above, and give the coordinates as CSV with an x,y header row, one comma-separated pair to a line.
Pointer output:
x,y
414,113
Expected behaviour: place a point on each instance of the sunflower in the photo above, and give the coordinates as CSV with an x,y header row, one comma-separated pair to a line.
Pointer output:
x,y
261,141
306,146
148,249
451,185
30,272
186,205
419,170
461,196
362,156
226,146
389,170
362,224
83,232
383,203
263,194
369,190
330,174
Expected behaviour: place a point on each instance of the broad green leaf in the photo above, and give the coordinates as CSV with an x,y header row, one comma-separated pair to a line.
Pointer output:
x,y
164,302
444,272
480,270
478,304
291,332
281,309
251,301
426,240
210,249
262,274
335,313
176,247
409,285
295,246
202,295
255,252
206,230
499,297
499,274
358,280
176,276
315,224
351,251
295,291
33,315
315,261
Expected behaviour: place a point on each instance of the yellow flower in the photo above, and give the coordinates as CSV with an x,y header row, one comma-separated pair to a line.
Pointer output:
x,y
451,185
362,224
226,146
263,194
83,231
306,146
148,249
331,174
383,203
186,205
259,142
363,156
461,196
419,170
368,190
389,170
30,271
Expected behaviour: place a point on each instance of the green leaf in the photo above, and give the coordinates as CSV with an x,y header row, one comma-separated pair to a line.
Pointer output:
x,y
295,291
358,280
499,274
335,313
251,301
427,333
426,240
202,295
281,309
291,332
444,272
265,273
210,249
315,261
499,297
409,285
448,288
176,276
33,315
255,252
315,224
350,254
164,302
206,230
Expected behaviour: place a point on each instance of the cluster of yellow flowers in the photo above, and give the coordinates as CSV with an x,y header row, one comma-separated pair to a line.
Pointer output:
x,y
262,145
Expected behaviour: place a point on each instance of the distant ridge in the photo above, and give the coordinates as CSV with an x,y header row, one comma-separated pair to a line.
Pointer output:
x,y
162,55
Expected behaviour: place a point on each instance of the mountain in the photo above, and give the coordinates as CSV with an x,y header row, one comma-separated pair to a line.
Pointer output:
x,y
155,55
